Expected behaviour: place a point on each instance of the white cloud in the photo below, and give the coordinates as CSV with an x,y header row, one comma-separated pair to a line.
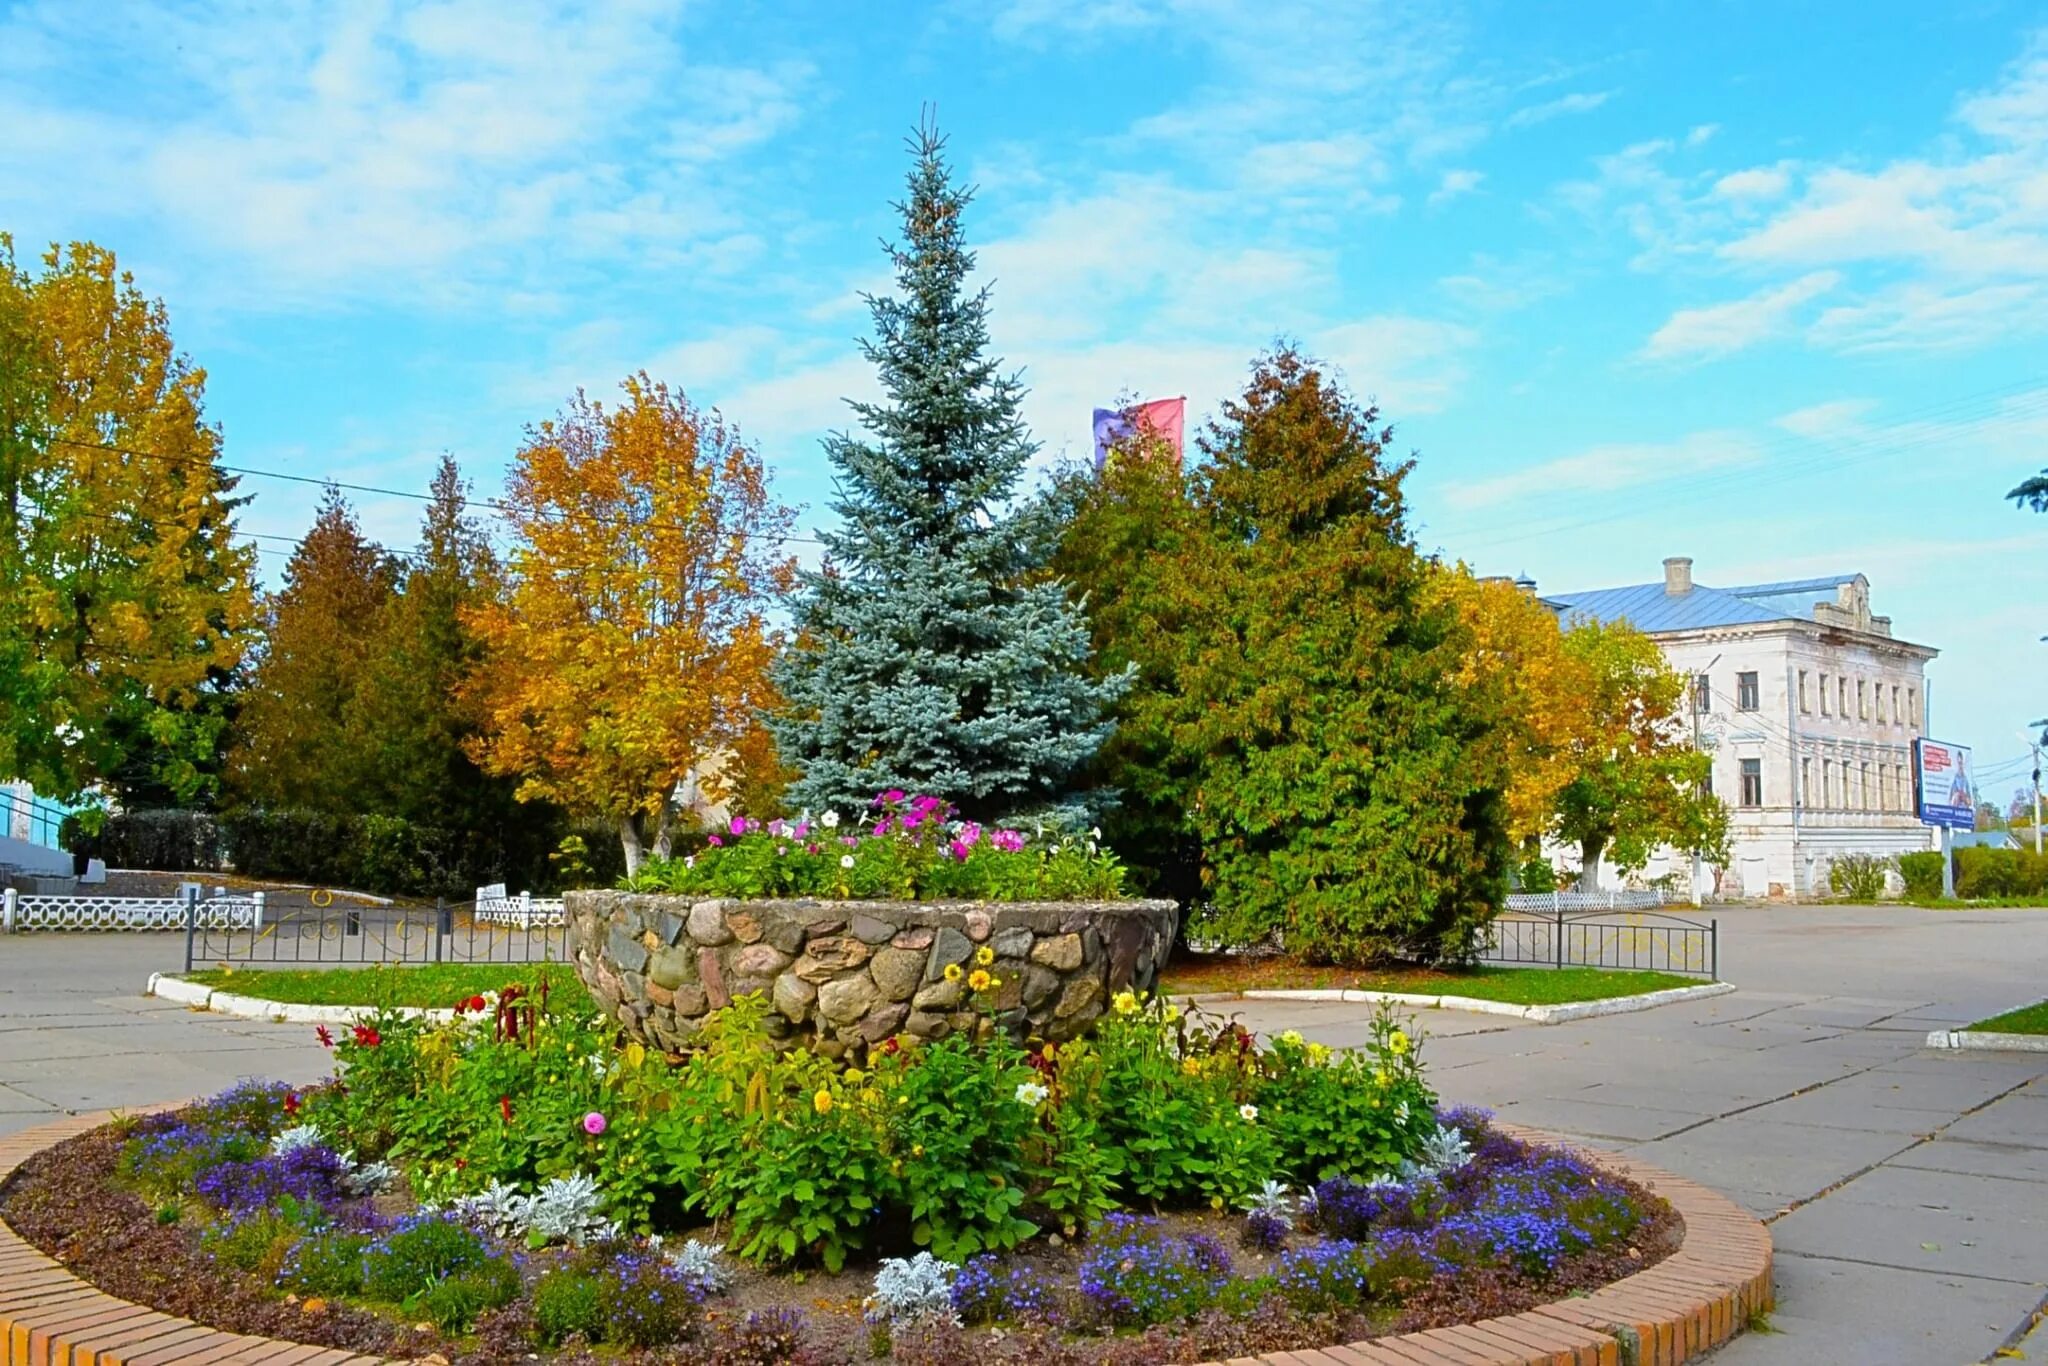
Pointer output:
x,y
1819,421
1930,317
1723,329
1611,468
1580,102
1702,134
1455,183
1758,182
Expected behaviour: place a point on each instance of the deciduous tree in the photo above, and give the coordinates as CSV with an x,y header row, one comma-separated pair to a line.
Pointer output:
x,y
632,646
125,603
1637,781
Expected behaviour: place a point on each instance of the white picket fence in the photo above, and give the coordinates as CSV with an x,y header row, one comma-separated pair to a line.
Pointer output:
x,y
22,911
524,911
1552,903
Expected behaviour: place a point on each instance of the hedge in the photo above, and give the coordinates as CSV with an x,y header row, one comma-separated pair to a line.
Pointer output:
x,y
366,852
1921,873
1980,873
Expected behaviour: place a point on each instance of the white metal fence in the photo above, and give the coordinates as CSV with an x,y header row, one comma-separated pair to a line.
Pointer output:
x,y
1569,902
22,911
524,911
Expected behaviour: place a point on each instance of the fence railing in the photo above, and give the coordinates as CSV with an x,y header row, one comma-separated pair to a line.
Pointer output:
x,y
344,934
494,907
1559,936
1635,899
23,911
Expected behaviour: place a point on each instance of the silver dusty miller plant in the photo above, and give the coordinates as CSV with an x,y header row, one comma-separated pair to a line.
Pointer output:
x,y
908,1291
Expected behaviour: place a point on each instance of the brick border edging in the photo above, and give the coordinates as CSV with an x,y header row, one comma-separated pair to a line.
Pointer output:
x,y
1693,1300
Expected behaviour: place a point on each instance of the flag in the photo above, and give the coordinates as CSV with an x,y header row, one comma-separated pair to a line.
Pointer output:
x,y
1165,419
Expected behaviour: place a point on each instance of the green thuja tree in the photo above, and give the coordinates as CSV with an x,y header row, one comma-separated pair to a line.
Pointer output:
x,y
934,653
1347,796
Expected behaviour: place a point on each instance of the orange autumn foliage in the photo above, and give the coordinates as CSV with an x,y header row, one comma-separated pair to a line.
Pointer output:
x,y
632,646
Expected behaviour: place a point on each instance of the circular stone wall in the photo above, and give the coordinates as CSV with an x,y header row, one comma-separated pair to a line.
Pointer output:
x,y
844,974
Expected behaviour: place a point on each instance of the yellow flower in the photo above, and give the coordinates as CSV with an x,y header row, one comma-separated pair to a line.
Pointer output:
x,y
978,980
1172,1014
1215,1202
1125,1003
984,955
1049,1047
1318,1053
1381,1077
1191,1066
1397,1043
855,1075
822,1102
917,1150
952,972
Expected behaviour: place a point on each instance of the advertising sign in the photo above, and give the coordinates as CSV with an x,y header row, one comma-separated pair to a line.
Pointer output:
x,y
1941,784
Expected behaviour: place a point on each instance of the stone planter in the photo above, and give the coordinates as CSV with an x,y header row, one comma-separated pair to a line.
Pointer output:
x,y
844,974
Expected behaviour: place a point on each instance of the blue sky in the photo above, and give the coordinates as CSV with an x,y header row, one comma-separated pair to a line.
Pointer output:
x,y
1764,284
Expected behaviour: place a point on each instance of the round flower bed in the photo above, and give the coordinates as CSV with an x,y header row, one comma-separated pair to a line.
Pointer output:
x,y
514,1182
906,920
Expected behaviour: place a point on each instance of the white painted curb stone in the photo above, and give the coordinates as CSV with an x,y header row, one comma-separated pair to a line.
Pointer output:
x,y
169,988
1547,1014
1981,1041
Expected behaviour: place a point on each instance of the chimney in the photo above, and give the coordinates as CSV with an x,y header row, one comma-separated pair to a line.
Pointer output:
x,y
1678,575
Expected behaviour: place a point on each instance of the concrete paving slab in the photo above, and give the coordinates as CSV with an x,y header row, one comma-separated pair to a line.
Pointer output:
x,y
1584,1118
1958,1236
1792,1161
1833,1313
2002,1161
2016,1120
1844,1105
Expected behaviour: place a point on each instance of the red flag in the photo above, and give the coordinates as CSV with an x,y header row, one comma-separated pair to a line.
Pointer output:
x,y
1165,418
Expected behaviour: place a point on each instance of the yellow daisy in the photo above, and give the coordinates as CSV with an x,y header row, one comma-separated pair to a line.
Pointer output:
x,y
822,1102
978,980
952,972
984,955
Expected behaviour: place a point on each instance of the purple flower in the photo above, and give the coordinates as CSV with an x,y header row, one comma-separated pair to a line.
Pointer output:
x,y
1009,841
593,1124
714,841
738,825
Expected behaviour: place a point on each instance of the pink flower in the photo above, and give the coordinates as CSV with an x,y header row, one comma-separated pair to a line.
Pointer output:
x,y
960,849
593,1124
714,841
893,795
1009,841
810,848
800,830
738,825
970,834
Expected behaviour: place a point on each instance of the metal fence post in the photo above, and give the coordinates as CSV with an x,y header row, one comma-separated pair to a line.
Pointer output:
x,y
441,927
1714,949
191,922
1557,933
8,904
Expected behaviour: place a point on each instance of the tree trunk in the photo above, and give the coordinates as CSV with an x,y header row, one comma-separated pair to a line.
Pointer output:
x,y
664,831
1589,864
629,837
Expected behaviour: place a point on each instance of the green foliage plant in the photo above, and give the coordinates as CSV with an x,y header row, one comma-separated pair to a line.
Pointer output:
x,y
960,1115
1355,1112
1921,872
569,1303
1858,877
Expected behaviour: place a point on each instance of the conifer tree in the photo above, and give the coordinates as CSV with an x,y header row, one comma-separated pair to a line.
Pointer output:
x,y
934,654
1348,795
296,746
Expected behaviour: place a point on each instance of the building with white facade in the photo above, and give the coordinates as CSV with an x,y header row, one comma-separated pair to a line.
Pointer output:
x,y
1809,705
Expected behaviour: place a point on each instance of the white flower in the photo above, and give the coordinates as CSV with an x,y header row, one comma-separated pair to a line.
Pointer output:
x,y
1094,832
1401,1113
1032,1094
689,860
846,860
1247,1113
830,820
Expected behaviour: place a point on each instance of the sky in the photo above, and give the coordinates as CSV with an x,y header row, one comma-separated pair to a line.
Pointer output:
x,y
1759,283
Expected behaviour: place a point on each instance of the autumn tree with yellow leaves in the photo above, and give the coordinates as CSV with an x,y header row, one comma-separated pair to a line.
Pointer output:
x,y
125,602
632,647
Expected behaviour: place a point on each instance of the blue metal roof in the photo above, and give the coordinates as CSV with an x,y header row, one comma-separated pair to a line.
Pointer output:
x,y
1647,607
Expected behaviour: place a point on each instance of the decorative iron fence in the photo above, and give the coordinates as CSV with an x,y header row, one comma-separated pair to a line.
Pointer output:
x,y
1638,899
21,911
1652,940
312,934
494,907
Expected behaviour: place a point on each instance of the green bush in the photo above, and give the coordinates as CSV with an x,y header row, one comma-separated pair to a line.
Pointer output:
x,y
386,854
567,1304
1858,877
453,1304
256,1242
326,1264
419,1255
1989,873
1922,874
168,840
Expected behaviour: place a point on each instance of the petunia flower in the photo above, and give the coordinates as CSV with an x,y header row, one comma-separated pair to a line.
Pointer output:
x,y
594,1124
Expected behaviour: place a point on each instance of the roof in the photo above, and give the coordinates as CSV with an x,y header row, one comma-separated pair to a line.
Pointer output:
x,y
1983,839
1647,607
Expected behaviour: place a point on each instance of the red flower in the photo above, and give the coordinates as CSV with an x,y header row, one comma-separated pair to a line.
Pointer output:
x,y
291,1102
461,1162
475,1003
367,1037
326,1039
505,1108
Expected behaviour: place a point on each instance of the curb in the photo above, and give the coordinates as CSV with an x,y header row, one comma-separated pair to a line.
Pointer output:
x,y
167,987
1694,1300
1982,1041
1541,1014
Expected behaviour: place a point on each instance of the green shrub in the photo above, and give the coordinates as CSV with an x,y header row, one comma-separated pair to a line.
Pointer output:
x,y
1858,877
567,1304
1922,874
167,840
650,1302
419,1255
388,854
453,1304
1989,873
257,1242
326,1264
958,1107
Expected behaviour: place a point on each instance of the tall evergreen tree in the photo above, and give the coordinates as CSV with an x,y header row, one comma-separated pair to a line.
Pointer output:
x,y
296,747
933,652
1348,797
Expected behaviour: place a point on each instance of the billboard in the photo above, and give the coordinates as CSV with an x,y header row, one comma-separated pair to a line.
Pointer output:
x,y
1941,784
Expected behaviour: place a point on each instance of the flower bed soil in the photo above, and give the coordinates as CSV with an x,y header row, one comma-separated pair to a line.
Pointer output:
x,y
69,1203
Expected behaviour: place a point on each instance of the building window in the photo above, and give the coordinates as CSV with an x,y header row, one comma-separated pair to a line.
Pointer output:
x,y
1752,782
1913,707
1866,787
1806,782
1802,692
1745,692
1862,702
1877,701
1842,697
1827,783
1824,696
1898,717
1702,694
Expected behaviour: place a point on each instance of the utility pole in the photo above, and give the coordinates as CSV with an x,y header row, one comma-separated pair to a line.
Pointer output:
x,y
2036,746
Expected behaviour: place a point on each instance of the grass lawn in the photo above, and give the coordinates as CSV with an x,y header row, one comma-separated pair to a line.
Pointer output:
x,y
1520,986
2031,1019
424,984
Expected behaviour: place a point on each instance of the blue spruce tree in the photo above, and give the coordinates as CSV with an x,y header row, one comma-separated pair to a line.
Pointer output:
x,y
934,653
